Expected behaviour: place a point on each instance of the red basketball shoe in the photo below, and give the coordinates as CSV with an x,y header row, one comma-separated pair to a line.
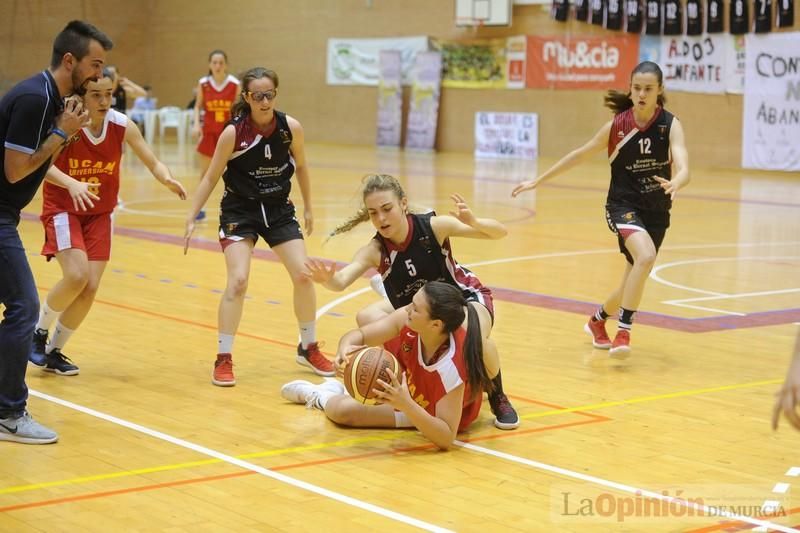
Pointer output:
x,y
312,357
597,329
621,348
223,371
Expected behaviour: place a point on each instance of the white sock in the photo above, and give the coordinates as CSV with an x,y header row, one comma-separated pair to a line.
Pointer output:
x,y
308,333
224,343
60,337
46,317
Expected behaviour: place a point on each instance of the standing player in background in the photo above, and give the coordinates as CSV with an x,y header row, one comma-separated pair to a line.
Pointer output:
x,y
124,90
409,250
80,239
216,93
649,164
35,125
437,341
262,149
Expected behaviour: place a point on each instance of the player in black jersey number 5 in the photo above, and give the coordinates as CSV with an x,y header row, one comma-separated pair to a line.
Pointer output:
x,y
262,149
649,164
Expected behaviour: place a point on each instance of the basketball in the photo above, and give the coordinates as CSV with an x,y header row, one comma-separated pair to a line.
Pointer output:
x,y
365,368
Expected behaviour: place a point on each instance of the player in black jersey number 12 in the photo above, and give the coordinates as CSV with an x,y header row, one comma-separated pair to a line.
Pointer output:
x,y
649,164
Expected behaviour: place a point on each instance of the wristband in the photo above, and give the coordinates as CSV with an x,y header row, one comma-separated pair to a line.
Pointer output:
x,y
61,133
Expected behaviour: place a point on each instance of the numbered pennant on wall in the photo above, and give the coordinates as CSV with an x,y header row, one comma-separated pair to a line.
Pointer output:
x,y
633,16
694,17
560,10
614,15
581,10
739,18
673,19
598,12
762,13
785,14
714,16
652,17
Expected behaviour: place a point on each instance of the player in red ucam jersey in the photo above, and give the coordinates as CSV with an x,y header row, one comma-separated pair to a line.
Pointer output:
x,y
437,341
649,164
81,240
216,94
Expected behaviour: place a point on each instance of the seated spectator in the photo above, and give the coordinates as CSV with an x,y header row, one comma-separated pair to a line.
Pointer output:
x,y
142,104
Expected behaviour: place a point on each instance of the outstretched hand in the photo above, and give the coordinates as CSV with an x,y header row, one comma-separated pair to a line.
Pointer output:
x,y
462,212
524,186
319,271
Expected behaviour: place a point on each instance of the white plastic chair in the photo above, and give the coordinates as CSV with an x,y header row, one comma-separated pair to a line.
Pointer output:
x,y
172,117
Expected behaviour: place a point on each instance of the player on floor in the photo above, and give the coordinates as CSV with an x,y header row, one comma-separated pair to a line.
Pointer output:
x,y
409,250
262,149
649,164
437,341
80,240
216,93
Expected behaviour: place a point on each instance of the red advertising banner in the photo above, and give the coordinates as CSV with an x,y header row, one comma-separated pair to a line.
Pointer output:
x,y
569,62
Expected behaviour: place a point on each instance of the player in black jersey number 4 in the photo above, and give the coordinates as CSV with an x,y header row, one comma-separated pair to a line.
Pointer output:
x,y
649,164
261,148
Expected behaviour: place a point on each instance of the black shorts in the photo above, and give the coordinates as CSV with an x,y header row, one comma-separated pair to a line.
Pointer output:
x,y
625,220
243,218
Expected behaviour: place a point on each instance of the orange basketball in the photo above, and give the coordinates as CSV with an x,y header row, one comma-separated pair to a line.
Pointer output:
x,y
365,368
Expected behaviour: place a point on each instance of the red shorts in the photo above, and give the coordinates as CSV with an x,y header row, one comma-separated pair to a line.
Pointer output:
x,y
208,142
90,233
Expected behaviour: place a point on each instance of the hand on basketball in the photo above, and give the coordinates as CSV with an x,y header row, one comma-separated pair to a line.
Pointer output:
x,y
669,187
343,356
187,235
81,194
320,271
462,212
394,393
524,186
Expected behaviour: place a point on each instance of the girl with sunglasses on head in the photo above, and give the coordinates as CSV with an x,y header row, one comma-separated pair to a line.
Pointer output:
x,y
216,93
259,151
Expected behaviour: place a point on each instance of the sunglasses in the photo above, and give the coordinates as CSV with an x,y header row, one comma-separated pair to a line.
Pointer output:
x,y
259,96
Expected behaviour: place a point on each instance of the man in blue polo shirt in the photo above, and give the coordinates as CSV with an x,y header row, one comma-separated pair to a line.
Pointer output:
x,y
35,124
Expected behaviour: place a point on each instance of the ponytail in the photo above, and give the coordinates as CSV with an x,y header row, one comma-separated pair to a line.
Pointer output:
x,y
477,376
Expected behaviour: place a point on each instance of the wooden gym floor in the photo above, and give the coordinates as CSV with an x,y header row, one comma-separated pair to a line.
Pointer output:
x,y
147,443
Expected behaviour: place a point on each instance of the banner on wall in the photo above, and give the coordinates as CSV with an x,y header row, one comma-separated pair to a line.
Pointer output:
x,y
356,61
423,112
569,62
735,65
516,57
506,135
695,64
390,99
474,64
771,122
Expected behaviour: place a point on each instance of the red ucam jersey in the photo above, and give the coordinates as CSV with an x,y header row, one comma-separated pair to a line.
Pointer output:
x,y
217,102
430,383
91,159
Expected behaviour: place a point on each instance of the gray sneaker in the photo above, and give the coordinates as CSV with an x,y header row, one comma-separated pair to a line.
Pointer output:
x,y
26,430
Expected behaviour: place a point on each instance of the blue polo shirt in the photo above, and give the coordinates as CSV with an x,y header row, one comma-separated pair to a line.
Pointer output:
x,y
27,114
